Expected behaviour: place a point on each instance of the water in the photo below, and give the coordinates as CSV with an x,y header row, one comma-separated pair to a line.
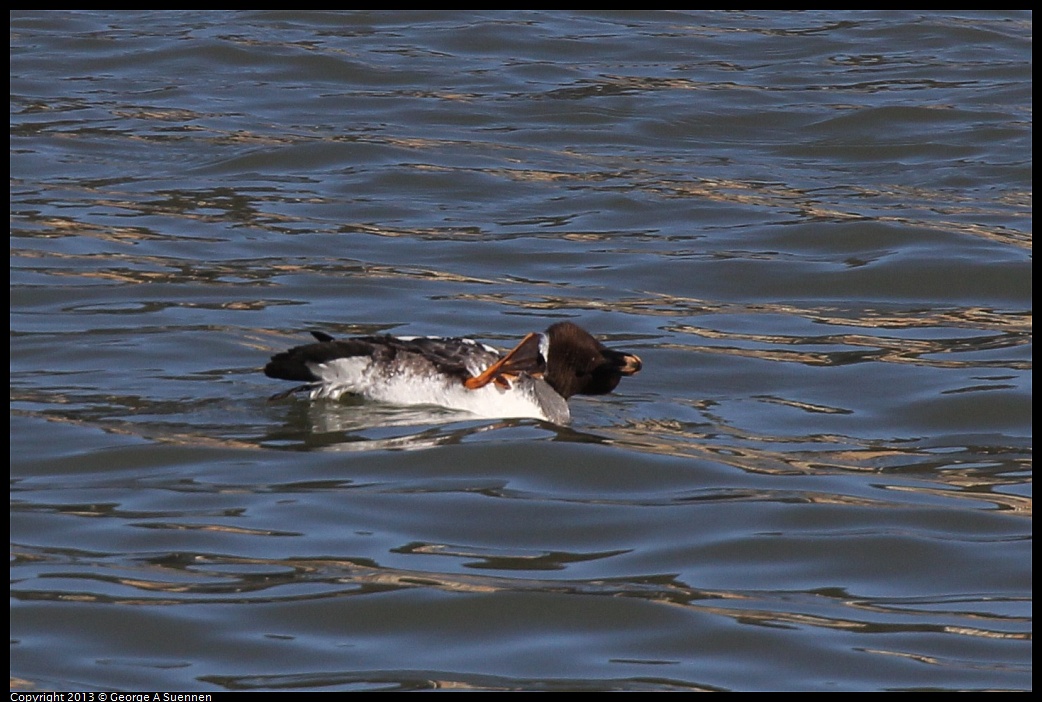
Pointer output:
x,y
814,227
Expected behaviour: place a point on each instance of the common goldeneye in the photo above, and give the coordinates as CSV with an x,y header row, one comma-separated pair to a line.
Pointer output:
x,y
534,379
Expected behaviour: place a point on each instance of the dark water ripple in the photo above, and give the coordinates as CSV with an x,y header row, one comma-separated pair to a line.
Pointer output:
x,y
814,227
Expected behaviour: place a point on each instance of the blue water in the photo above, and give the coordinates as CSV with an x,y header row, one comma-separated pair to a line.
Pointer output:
x,y
813,227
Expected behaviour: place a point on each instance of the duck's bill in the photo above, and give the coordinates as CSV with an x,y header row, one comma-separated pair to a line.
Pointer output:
x,y
631,364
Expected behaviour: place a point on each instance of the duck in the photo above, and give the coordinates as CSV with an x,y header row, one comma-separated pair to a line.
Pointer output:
x,y
535,379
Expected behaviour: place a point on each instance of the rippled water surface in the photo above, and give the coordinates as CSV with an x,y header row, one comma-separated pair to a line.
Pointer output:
x,y
814,227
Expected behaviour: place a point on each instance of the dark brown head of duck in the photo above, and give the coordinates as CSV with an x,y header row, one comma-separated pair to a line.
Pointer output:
x,y
578,364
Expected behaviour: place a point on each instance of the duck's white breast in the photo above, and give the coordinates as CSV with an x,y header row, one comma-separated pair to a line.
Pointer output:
x,y
407,384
